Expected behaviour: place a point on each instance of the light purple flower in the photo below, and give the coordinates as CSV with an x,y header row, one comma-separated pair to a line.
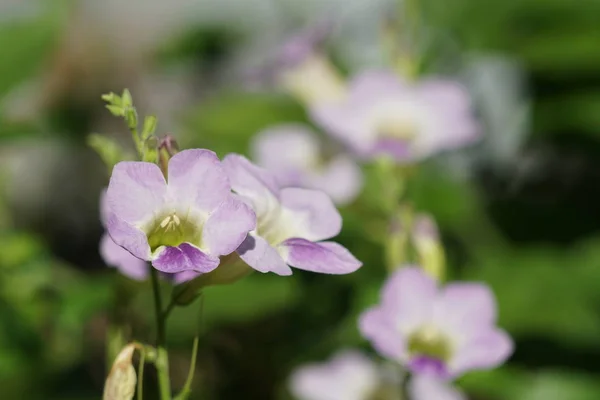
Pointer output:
x,y
423,387
291,224
350,375
116,256
294,154
180,224
382,114
442,332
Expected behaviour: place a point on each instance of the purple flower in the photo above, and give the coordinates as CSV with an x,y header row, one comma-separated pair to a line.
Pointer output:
x,y
409,121
350,375
116,256
294,155
291,224
300,67
442,332
427,388
180,224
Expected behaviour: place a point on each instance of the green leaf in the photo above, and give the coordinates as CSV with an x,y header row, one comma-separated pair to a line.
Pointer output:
x,y
108,149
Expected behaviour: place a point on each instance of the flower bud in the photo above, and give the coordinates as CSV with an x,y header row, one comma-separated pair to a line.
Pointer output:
x,y
120,383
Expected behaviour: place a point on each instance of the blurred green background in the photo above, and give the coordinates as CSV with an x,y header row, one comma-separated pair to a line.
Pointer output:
x,y
519,211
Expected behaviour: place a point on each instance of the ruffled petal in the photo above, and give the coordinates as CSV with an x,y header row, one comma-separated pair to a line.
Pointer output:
x,y
260,255
116,256
314,214
197,180
185,257
228,226
136,191
324,257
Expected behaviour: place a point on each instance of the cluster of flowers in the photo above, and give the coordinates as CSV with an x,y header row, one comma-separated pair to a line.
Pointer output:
x,y
206,208
184,217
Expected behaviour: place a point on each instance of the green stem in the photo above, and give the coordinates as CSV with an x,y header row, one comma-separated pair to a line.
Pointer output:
x,y
162,357
140,385
187,388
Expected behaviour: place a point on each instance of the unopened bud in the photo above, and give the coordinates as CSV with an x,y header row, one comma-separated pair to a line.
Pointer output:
x,y
120,383
430,252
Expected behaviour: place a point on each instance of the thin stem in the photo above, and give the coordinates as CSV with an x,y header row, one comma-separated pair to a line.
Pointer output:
x,y
162,358
187,388
140,383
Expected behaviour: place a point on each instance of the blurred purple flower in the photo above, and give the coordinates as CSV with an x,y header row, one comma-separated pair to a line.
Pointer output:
x,y
349,375
182,225
427,388
291,224
442,332
300,67
409,121
294,155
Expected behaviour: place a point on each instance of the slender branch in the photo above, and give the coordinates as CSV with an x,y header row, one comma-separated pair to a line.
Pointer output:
x,y
187,388
162,358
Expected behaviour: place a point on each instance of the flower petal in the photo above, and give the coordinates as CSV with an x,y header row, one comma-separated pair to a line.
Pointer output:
x,y
261,256
486,350
136,191
247,179
129,237
377,325
410,296
342,180
285,149
350,375
427,388
324,257
185,257
315,214
116,256
253,183
465,306
197,179
228,226
376,84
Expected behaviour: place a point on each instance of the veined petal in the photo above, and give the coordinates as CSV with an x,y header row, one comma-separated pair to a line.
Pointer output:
x,y
129,237
136,191
228,226
488,349
260,255
185,257
410,296
324,257
315,215
377,325
116,256
197,179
